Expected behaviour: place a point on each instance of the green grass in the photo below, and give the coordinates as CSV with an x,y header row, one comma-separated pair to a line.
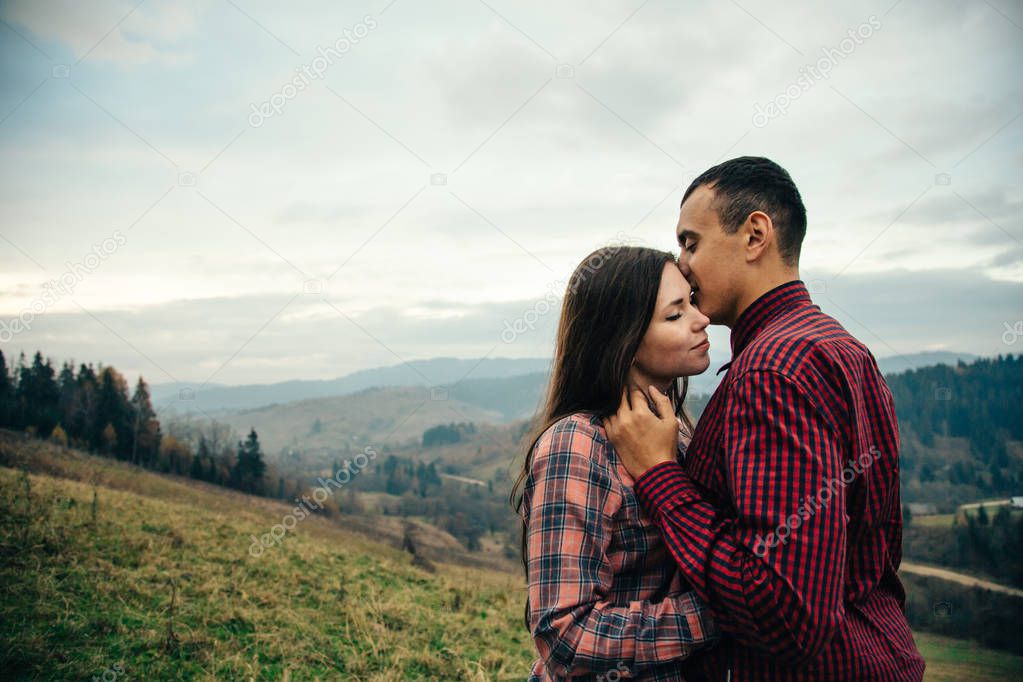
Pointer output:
x,y
934,520
955,660
80,598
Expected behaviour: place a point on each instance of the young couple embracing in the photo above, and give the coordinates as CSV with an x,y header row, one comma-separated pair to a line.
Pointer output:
x,y
656,550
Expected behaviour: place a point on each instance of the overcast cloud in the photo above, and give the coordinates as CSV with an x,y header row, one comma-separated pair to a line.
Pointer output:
x,y
439,178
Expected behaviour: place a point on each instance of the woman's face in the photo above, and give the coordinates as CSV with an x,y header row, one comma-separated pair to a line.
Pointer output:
x,y
675,343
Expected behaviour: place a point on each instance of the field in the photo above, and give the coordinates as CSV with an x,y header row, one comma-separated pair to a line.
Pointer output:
x,y
934,520
133,574
955,660
166,588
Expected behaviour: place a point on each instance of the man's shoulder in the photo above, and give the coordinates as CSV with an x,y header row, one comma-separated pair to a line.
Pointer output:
x,y
803,345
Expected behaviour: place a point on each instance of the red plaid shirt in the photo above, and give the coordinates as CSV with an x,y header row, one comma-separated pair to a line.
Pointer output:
x,y
785,518
605,599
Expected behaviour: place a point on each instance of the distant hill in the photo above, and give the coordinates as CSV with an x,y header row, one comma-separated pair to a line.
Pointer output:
x,y
183,397
379,414
348,423
510,388
893,364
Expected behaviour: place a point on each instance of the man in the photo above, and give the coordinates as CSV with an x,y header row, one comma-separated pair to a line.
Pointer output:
x,y
785,516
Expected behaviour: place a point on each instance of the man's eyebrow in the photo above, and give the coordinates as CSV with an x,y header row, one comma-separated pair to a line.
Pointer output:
x,y
686,234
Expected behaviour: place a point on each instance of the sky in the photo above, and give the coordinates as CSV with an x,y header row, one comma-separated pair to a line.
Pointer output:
x,y
234,192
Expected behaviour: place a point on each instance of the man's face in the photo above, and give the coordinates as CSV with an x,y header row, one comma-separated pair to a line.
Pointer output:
x,y
711,260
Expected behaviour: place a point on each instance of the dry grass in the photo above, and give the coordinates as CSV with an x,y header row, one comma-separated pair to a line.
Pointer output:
x,y
79,598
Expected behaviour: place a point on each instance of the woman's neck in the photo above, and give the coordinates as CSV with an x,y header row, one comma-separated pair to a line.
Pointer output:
x,y
643,381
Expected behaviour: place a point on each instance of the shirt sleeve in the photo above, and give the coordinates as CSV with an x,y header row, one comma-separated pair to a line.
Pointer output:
x,y
575,626
772,569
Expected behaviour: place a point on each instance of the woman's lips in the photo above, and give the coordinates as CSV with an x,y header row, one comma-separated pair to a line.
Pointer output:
x,y
704,345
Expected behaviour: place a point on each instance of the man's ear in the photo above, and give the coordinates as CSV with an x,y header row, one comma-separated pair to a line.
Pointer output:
x,y
759,231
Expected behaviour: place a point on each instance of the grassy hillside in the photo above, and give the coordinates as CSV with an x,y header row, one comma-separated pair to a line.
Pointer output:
x,y
160,584
954,660
81,597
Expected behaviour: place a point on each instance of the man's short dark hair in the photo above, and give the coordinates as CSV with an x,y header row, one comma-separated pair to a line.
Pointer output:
x,y
753,183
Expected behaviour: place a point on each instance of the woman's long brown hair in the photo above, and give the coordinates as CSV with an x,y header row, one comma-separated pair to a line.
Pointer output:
x,y
607,308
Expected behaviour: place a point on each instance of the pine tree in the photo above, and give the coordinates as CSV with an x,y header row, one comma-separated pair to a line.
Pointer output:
x,y
197,471
7,404
82,421
203,464
114,409
38,396
248,471
146,431
67,387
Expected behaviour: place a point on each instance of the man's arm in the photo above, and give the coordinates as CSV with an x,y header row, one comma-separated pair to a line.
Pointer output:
x,y
784,471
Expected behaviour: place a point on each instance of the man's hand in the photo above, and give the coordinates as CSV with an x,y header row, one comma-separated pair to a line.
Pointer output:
x,y
643,439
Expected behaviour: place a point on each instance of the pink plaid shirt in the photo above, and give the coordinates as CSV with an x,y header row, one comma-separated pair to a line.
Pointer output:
x,y
605,598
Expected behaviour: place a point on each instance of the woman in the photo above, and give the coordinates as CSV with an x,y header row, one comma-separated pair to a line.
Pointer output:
x,y
605,598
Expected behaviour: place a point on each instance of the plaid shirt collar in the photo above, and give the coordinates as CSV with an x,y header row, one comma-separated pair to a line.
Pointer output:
x,y
762,311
